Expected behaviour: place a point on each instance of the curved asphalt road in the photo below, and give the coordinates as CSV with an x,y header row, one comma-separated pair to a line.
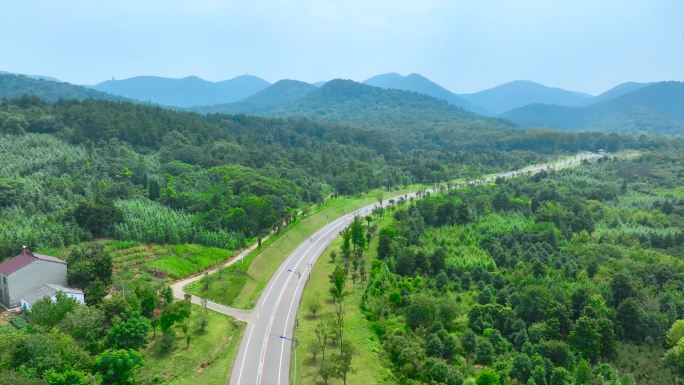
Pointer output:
x,y
264,355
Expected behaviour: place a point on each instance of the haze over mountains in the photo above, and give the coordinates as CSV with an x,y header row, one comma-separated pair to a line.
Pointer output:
x,y
657,108
186,92
418,83
391,99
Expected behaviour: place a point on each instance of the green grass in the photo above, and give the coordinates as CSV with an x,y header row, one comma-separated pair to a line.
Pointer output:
x,y
208,360
242,284
179,261
366,362
154,263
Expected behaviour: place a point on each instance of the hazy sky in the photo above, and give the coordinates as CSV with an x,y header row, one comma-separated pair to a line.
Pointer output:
x,y
465,46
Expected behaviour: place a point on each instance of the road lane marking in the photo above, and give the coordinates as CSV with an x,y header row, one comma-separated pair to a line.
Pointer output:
x,y
346,218
287,319
244,356
275,307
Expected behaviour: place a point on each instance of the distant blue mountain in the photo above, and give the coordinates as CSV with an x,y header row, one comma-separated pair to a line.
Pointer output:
x,y
657,108
37,77
420,84
520,93
12,86
619,90
186,92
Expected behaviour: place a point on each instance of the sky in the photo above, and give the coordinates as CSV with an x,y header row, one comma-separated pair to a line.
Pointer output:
x,y
468,46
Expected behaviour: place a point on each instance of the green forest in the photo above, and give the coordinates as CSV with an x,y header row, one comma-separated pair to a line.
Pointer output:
x,y
568,277
78,170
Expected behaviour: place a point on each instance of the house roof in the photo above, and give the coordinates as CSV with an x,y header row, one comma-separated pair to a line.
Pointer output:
x,y
23,259
47,290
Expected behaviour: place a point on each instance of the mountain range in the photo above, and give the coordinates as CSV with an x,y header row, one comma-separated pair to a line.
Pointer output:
x,y
418,83
349,102
519,93
657,108
391,100
186,92
12,86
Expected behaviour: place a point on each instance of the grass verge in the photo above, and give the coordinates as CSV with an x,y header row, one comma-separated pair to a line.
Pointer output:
x,y
208,360
366,362
241,284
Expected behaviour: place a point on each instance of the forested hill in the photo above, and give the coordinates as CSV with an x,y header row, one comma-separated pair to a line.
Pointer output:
x,y
657,108
268,101
349,102
12,86
219,178
572,277
418,83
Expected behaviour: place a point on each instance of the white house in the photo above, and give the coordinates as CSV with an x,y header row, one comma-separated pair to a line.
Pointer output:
x,y
27,272
50,290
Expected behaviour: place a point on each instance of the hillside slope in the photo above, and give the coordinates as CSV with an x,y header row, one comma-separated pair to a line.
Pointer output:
x,y
420,84
519,93
12,86
186,92
658,108
264,102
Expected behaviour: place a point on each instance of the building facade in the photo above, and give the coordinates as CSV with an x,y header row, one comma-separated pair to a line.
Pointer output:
x,y
27,272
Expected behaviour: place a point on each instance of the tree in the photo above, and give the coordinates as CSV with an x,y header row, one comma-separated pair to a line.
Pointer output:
x,y
344,361
585,338
86,324
485,353
675,356
560,376
49,313
440,372
521,369
338,278
117,366
149,298
438,260
39,352
70,377
675,333
582,373
469,341
314,306
98,217
385,242
129,333
358,236
422,311
633,320
621,288
487,377
174,312
89,263
322,333
203,320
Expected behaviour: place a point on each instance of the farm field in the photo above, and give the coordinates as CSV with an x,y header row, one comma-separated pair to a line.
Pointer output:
x,y
133,260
